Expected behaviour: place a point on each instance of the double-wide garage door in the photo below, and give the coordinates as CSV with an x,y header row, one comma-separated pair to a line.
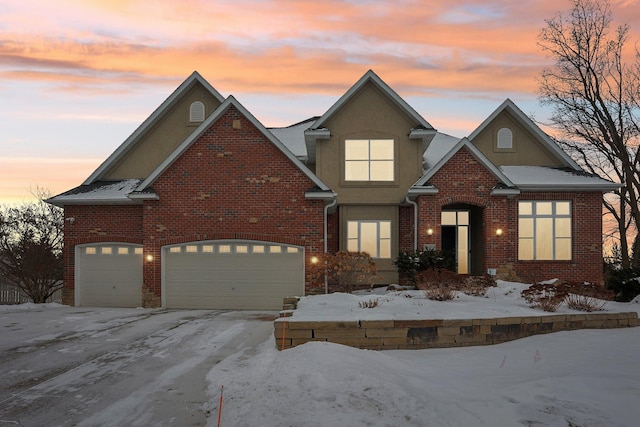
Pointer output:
x,y
109,275
232,275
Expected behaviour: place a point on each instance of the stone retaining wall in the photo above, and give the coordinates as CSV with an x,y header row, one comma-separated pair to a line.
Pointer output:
x,y
421,334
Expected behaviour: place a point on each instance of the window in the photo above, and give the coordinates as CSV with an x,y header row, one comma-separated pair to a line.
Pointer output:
x,y
372,237
544,230
368,160
196,112
505,139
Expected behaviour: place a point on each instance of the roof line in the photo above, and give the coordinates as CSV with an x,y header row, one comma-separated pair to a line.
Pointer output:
x,y
370,76
525,121
194,78
465,142
213,117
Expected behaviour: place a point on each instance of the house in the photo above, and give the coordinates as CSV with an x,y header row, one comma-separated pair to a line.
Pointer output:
x,y
204,207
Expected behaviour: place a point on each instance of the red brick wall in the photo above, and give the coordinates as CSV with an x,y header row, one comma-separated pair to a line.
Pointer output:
x,y
94,224
463,180
231,183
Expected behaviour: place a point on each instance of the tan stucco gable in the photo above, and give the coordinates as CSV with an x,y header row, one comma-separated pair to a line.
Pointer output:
x,y
162,138
527,149
530,145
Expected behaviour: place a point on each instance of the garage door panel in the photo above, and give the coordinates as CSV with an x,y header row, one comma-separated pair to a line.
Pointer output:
x,y
232,280
109,275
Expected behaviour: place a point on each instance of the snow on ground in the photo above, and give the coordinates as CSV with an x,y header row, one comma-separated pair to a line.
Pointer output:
x,y
501,301
89,366
579,378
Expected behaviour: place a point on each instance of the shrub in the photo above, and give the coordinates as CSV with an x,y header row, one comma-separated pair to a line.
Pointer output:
x,y
372,303
625,283
584,303
583,296
345,270
410,265
477,286
546,296
439,293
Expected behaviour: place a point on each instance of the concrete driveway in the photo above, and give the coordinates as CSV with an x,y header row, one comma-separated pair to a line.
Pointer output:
x,y
63,366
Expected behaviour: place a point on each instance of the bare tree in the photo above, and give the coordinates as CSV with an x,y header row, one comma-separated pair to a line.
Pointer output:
x,y
31,247
594,89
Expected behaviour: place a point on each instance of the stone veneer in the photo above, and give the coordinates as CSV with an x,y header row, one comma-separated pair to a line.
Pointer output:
x,y
437,333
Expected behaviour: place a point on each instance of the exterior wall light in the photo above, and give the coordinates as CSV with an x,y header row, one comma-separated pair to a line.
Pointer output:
x,y
314,260
499,232
430,231
149,258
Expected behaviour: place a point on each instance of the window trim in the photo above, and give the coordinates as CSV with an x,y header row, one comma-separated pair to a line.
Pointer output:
x,y
379,239
369,161
553,216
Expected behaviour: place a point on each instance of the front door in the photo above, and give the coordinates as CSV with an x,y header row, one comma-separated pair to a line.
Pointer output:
x,y
455,237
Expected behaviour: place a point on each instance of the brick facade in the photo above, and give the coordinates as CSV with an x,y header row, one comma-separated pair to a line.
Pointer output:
x,y
232,183
464,181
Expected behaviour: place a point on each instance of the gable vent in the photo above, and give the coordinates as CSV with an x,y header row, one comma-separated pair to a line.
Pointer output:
x,y
505,138
196,112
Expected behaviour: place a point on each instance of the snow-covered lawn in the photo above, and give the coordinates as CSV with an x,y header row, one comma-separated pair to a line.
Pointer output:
x,y
579,378
155,367
501,301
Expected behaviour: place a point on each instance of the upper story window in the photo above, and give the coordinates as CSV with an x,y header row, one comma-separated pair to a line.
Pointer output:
x,y
196,111
504,139
368,160
544,230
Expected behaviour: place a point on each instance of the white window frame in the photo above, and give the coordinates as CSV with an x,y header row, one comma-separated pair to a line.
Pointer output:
x,y
537,217
371,162
355,243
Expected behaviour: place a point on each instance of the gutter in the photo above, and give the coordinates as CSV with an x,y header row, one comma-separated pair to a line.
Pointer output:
x,y
326,245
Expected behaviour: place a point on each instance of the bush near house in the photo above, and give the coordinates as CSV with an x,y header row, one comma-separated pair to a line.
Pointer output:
x,y
583,296
346,271
411,265
442,285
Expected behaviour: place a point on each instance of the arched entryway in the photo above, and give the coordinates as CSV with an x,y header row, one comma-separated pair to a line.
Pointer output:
x,y
462,233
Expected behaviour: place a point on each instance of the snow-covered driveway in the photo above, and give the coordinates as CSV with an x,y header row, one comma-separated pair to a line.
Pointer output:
x,y
104,366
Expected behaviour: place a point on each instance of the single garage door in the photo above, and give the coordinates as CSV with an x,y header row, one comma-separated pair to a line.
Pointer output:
x,y
109,275
242,275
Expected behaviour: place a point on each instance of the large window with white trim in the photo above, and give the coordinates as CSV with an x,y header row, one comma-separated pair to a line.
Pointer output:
x,y
544,230
368,160
372,237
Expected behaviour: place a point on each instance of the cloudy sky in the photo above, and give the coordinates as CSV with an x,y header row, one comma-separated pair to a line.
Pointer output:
x,y
78,76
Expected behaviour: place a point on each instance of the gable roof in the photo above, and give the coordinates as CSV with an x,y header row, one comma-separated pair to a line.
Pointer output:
x,y
528,124
213,117
372,77
157,115
484,161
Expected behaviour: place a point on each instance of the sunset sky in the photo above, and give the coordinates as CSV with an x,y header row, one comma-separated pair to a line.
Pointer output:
x,y
78,76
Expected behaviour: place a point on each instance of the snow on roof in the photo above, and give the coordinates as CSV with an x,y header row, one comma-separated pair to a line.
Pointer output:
x,y
440,145
98,192
293,136
550,178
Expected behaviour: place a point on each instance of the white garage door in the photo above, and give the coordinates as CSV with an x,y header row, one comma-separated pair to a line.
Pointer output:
x,y
109,275
242,275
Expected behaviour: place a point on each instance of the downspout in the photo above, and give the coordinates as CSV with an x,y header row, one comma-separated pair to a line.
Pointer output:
x,y
326,243
415,222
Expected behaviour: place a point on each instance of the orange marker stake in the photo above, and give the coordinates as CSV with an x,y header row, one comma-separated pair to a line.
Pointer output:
x,y
220,407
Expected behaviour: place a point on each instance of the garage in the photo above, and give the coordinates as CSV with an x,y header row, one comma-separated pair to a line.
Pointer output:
x,y
108,275
233,274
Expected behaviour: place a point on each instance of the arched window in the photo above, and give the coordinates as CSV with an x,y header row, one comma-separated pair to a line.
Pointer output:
x,y
505,138
196,112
